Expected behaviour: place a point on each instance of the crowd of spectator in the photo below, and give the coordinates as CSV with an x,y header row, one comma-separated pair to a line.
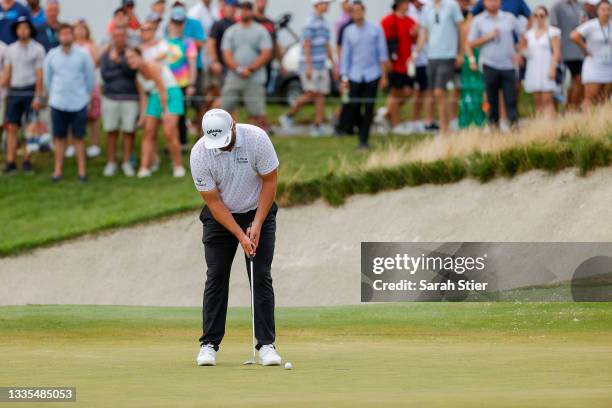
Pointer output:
x,y
219,54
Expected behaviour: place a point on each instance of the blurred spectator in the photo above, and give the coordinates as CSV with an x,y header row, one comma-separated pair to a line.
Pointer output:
x,y
345,16
153,48
82,38
129,6
515,7
10,11
567,15
3,48
182,59
37,14
595,39
363,68
590,9
260,17
401,32
121,19
47,31
215,71
164,103
159,7
69,79
345,125
194,31
441,32
314,73
423,101
542,45
119,102
247,48
23,75
494,32
206,13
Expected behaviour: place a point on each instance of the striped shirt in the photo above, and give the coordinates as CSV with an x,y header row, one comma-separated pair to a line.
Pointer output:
x,y
318,33
235,174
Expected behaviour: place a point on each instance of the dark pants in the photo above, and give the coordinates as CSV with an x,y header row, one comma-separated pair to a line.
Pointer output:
x,y
219,250
504,80
182,122
363,95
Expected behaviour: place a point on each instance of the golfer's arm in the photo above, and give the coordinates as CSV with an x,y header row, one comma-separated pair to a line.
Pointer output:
x,y
221,213
266,197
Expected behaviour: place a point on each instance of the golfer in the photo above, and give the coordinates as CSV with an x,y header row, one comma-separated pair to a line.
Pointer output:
x,y
234,167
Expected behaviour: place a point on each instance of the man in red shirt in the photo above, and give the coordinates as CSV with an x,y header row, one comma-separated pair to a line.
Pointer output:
x,y
401,33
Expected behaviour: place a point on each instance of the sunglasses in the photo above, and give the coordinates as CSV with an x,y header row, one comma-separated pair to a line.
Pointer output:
x,y
540,15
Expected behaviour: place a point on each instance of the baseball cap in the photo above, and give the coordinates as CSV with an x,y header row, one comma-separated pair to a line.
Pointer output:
x,y
217,127
178,14
127,3
231,3
315,2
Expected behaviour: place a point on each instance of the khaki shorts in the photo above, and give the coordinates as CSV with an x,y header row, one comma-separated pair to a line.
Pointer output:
x,y
319,82
252,94
212,80
119,115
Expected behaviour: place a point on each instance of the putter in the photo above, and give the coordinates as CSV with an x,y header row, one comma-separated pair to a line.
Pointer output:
x,y
252,361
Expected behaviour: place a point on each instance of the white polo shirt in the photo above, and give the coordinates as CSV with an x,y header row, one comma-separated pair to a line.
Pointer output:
x,y
236,174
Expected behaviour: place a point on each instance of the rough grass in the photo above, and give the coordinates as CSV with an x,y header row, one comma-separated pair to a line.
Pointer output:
x,y
444,355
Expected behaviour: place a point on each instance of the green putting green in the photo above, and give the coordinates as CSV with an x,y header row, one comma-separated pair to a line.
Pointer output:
x,y
470,354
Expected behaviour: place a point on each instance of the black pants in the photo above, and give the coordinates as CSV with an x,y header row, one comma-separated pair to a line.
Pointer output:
x,y
504,80
219,250
182,122
362,95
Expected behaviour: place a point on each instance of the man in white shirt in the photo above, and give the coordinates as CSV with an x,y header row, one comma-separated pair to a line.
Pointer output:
x,y
234,167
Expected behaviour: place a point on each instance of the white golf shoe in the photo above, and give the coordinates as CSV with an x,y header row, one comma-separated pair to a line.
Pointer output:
x,y
268,356
207,356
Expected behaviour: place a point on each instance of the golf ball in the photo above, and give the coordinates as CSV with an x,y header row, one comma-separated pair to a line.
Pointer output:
x,y
288,366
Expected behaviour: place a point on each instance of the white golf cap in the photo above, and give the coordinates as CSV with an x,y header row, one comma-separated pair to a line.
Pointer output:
x,y
217,128
593,2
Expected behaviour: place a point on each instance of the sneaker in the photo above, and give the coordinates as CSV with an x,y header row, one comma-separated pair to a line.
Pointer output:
x,y
56,179
128,170
69,151
27,167
316,131
155,165
286,123
381,118
144,173
9,168
83,179
207,356
179,172
418,126
110,169
402,129
93,151
268,356
432,127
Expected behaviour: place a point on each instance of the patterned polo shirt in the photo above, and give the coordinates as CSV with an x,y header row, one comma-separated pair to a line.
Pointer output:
x,y
317,31
235,174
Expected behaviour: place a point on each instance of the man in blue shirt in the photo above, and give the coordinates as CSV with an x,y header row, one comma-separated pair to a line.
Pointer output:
x,y
314,73
10,11
363,68
36,12
47,31
516,7
69,78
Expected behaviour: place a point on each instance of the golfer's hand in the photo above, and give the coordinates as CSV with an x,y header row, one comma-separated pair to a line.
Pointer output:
x,y
253,232
247,245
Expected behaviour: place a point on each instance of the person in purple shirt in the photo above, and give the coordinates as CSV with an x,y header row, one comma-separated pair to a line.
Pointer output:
x,y
10,11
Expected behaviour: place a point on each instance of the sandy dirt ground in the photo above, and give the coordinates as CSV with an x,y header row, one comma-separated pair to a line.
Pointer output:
x,y
317,259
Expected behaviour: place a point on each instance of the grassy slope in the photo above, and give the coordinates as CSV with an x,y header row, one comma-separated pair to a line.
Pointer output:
x,y
484,354
34,211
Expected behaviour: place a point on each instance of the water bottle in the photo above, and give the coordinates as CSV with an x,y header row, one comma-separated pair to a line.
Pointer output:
x,y
411,69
